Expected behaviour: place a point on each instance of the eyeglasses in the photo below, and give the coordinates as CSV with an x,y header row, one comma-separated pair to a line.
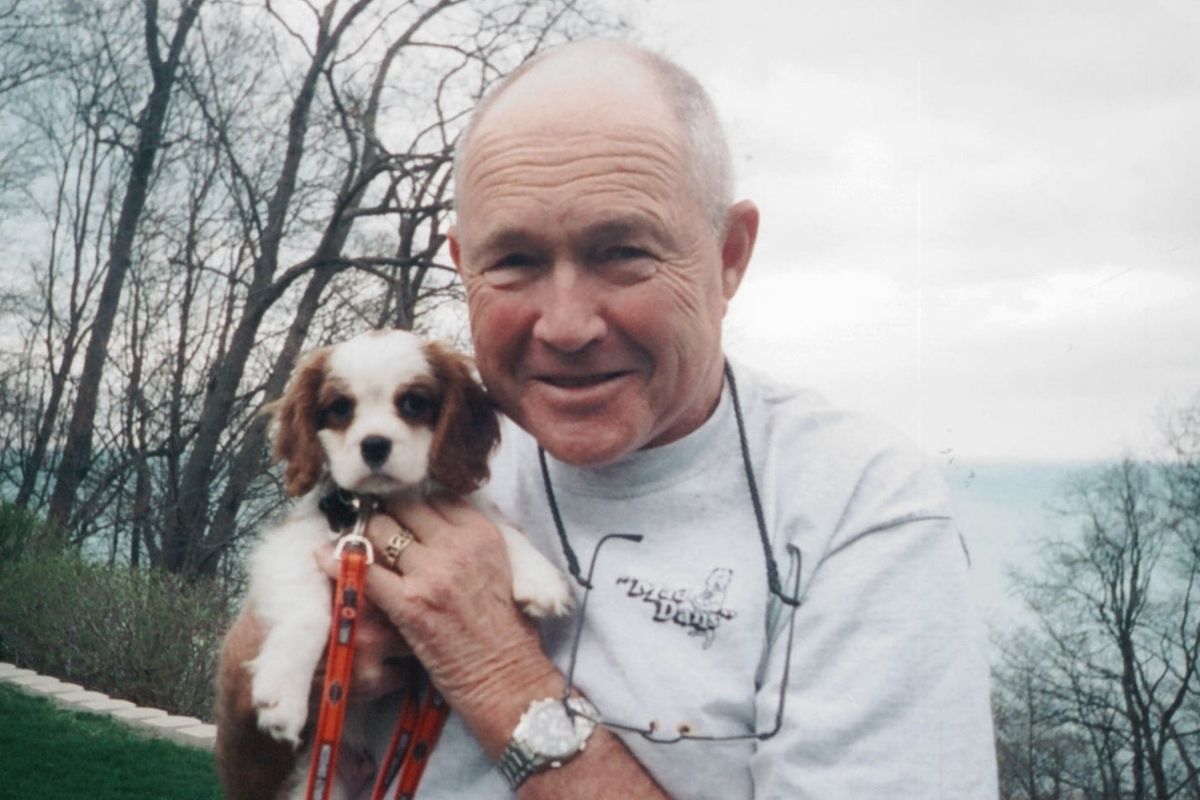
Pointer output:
x,y
653,731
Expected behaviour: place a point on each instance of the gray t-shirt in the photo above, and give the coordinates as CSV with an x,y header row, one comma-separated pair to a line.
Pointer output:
x,y
888,688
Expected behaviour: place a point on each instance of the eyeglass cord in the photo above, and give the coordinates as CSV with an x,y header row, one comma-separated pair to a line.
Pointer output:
x,y
772,568
652,732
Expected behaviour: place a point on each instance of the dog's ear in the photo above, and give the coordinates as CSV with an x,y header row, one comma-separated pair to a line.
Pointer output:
x,y
295,424
467,427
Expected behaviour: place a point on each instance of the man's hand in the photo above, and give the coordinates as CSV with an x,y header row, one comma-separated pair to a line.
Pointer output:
x,y
379,651
450,597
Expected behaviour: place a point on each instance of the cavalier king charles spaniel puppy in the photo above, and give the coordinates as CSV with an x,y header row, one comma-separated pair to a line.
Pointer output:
x,y
383,414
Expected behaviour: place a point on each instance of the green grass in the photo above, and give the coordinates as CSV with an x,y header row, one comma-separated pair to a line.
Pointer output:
x,y
48,753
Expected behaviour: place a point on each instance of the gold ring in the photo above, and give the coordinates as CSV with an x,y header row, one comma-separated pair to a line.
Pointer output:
x,y
395,546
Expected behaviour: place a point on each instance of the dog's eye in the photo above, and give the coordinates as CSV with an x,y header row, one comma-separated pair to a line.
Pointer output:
x,y
414,406
338,412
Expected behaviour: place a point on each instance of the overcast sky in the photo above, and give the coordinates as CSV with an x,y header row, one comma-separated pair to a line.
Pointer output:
x,y
980,221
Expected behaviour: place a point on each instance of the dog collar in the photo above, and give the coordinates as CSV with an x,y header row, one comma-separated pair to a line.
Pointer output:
x,y
340,510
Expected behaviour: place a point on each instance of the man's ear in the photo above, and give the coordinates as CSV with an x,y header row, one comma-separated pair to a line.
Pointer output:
x,y
741,231
455,249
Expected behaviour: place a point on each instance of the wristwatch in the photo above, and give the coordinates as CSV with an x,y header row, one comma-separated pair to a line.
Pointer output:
x,y
546,736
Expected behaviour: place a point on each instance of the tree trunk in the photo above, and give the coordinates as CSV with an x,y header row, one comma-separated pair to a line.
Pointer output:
x,y
77,452
251,458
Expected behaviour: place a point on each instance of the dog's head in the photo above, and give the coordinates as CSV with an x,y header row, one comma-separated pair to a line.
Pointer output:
x,y
383,412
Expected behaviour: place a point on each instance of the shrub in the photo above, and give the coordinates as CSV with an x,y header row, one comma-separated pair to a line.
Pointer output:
x,y
18,529
138,634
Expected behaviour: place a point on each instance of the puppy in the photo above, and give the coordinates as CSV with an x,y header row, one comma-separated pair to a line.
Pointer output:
x,y
382,414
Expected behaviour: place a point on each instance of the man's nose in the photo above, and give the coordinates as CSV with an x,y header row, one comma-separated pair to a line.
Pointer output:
x,y
570,315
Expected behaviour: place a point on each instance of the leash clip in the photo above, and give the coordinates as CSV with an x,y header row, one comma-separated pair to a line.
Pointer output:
x,y
357,540
357,535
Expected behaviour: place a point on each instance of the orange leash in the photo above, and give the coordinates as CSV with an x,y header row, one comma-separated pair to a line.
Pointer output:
x,y
354,553
433,716
422,715
420,723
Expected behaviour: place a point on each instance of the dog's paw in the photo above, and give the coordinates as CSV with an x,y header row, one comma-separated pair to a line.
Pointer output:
x,y
539,589
281,704
282,721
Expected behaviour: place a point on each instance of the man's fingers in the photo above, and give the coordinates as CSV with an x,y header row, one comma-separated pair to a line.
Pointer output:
x,y
323,555
432,515
454,510
382,582
394,543
390,592
381,649
417,515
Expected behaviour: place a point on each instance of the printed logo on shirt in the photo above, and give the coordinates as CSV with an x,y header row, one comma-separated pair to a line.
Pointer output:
x,y
700,610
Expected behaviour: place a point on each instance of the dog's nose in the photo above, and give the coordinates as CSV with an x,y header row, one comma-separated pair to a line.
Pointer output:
x,y
375,450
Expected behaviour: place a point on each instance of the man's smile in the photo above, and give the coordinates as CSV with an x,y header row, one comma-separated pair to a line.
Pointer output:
x,y
589,380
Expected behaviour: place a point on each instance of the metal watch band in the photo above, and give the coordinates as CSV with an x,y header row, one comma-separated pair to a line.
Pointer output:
x,y
550,732
515,765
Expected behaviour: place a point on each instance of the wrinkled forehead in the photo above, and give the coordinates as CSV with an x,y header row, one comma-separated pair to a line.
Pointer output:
x,y
553,166
568,174
377,363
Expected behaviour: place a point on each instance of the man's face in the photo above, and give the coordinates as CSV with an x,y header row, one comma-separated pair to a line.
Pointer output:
x,y
595,281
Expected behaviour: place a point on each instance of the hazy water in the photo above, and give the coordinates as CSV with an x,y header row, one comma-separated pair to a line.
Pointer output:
x,y
1003,509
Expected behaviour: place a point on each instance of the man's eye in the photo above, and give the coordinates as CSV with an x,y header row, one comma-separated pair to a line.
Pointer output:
x,y
626,264
414,406
624,253
510,269
514,260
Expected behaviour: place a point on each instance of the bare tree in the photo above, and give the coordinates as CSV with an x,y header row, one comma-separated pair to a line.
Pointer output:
x,y
24,59
232,184
71,118
164,70
29,50
337,121
1036,746
1113,665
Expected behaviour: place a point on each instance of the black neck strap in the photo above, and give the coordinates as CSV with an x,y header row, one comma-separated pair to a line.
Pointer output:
x,y
751,484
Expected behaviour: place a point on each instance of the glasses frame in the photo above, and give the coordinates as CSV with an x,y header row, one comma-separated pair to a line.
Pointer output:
x,y
682,732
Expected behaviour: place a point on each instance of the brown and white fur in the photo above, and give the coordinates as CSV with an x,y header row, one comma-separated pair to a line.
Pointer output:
x,y
383,414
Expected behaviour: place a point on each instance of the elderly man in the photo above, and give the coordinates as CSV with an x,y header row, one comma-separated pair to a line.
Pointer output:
x,y
785,613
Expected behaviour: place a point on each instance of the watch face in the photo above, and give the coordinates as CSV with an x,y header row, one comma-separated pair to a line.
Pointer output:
x,y
549,732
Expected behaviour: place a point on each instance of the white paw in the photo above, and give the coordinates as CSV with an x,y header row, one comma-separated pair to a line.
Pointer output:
x,y
540,589
280,699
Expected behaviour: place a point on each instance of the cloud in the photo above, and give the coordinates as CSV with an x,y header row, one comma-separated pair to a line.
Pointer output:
x,y
1071,299
1019,132
978,219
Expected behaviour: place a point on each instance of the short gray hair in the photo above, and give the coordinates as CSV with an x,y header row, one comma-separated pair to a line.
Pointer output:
x,y
706,149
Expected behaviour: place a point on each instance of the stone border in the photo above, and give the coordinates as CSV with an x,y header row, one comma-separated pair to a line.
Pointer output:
x,y
184,730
